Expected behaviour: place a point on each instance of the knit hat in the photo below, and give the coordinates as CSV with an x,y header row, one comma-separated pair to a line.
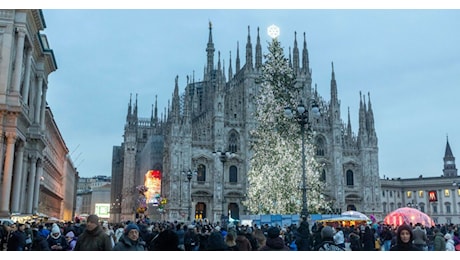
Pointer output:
x,y
273,232
70,234
55,229
131,227
447,236
327,232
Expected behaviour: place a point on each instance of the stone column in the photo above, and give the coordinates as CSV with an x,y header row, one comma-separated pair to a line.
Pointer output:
x,y
6,36
38,99
37,185
7,174
31,185
43,108
18,59
25,89
18,174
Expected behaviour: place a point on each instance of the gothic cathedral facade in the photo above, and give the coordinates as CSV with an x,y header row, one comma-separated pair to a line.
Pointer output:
x,y
200,149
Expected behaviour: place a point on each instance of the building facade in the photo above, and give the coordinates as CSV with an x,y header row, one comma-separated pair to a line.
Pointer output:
x,y
439,197
37,176
207,131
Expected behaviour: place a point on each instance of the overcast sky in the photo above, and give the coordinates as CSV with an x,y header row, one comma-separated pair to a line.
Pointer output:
x,y
408,60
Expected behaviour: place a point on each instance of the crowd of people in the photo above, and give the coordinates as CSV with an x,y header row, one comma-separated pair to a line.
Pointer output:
x,y
201,235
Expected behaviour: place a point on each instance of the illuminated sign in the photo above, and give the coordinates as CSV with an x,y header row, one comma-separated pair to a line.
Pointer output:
x,y
152,181
102,210
433,196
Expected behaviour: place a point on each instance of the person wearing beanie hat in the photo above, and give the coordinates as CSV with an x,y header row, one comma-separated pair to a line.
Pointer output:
x,y
130,240
404,239
93,237
274,241
56,241
71,239
327,244
450,244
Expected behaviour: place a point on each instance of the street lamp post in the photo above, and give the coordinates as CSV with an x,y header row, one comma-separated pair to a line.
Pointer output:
x,y
223,157
189,174
301,115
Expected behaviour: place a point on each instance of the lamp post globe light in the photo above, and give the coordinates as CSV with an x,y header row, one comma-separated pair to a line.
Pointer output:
x,y
301,115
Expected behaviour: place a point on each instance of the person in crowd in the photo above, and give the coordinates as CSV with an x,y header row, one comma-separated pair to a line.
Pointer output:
x,y
327,244
274,241
404,239
420,237
191,239
355,240
242,241
71,240
39,243
4,235
119,231
303,236
93,237
260,238
230,240
439,241
368,239
43,230
339,237
130,241
167,240
450,245
56,241
17,239
216,242
386,236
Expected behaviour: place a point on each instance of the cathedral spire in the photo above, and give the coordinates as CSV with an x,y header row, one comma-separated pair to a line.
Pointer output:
x,y
295,54
230,71
238,64
249,51
135,108
334,98
210,50
349,124
258,51
305,61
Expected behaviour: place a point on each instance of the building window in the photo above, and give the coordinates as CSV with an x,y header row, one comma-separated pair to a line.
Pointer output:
x,y
435,208
391,194
446,193
448,208
323,176
320,147
398,194
233,142
458,192
233,178
350,178
422,207
201,173
421,194
409,194
383,193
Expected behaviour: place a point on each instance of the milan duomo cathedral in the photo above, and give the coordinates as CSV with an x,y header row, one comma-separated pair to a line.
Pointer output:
x,y
195,158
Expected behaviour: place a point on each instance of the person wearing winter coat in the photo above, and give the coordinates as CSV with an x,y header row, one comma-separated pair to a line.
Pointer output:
x,y
56,241
439,241
130,240
450,245
93,238
39,243
71,240
327,235
274,241
404,239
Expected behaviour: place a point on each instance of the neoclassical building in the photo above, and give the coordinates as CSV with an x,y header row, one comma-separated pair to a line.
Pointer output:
x,y
206,131
36,174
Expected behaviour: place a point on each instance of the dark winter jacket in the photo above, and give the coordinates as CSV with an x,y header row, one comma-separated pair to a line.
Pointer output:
x,y
400,245
39,243
276,243
94,240
17,241
126,244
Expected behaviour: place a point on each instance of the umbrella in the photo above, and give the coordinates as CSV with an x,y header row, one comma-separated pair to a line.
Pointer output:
x,y
355,214
408,215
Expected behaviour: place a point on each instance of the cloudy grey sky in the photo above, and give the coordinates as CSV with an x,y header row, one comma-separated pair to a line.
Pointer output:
x,y
409,61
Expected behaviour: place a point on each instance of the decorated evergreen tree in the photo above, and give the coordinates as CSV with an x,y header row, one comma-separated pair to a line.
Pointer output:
x,y
275,176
